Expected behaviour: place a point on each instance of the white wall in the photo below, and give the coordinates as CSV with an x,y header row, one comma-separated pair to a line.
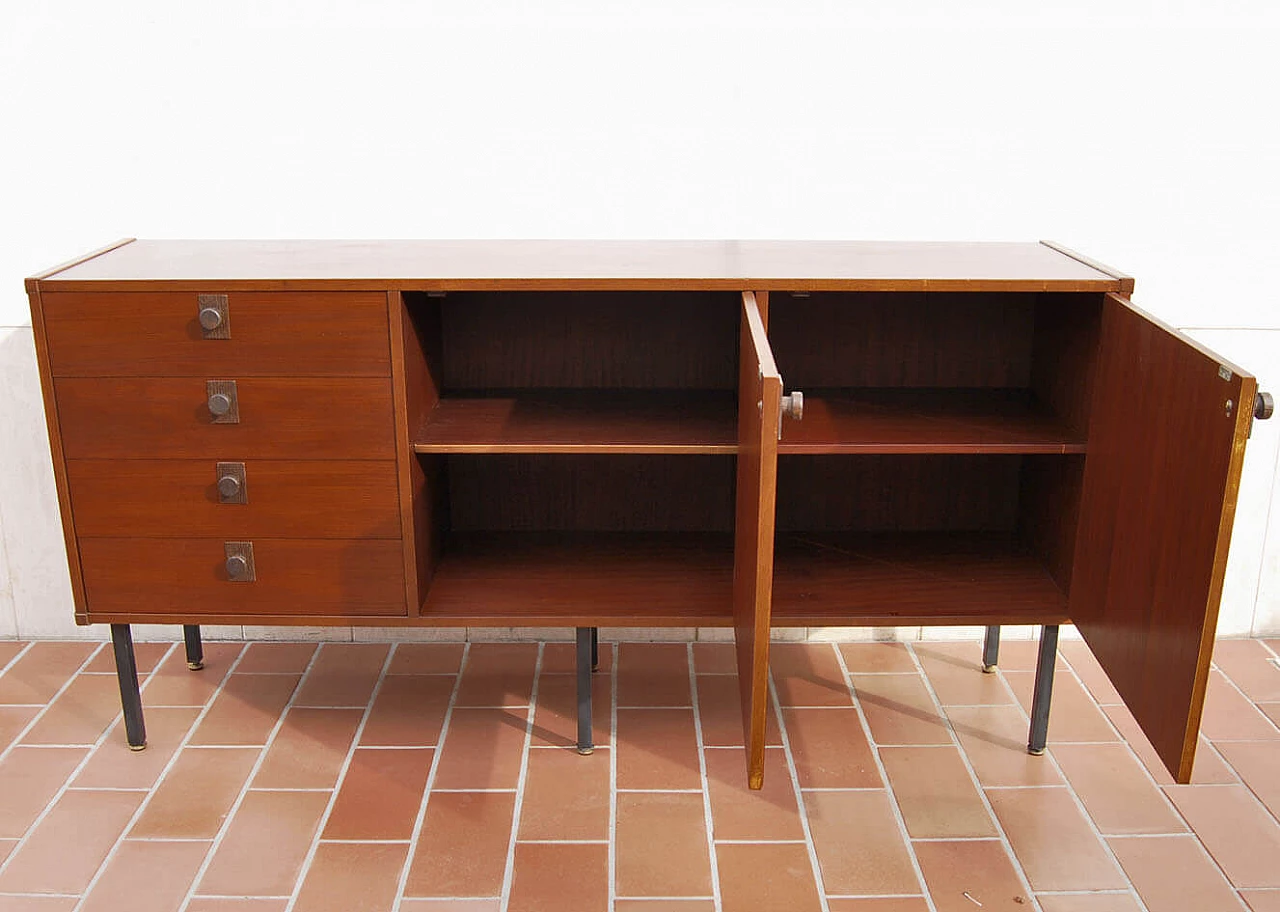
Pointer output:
x,y
1144,139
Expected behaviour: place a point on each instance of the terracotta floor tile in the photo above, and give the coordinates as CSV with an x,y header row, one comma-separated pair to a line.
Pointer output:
x,y
9,650
981,869
899,709
80,714
562,658
426,658
720,712
174,684
1053,841
560,878
1271,711
1095,902
653,674
657,749
146,655
482,749
994,738
42,671
344,674
566,796
196,796
1229,716
352,878
89,821
738,812
808,675
1090,673
6,848
831,749
498,674
869,658
661,847
935,794
555,720
13,719
1242,837
408,711
1116,791
1021,655
955,672
883,904
1262,900
147,877
1258,764
246,710
1073,716
859,843
113,765
766,878
29,778
309,749
452,905
715,658
664,905
380,795
1208,769
277,658
463,848
39,904
1251,666
205,904
1173,874
263,850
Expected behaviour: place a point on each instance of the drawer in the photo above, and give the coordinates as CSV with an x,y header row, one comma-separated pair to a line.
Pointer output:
x,y
150,334
189,576
163,417
179,498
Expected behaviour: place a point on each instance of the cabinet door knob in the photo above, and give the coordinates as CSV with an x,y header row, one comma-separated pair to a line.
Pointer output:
x,y
1264,406
793,405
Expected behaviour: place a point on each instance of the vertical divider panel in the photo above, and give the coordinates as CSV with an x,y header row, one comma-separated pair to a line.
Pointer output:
x,y
759,406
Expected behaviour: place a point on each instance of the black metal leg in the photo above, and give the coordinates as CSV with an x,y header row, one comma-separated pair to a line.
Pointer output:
x,y
585,639
195,649
130,697
1045,662
595,648
991,650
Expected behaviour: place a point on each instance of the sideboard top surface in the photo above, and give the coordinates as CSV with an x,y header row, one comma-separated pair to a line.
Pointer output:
x,y
409,265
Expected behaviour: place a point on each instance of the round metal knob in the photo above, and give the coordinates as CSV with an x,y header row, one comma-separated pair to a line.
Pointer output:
x,y
219,404
228,486
237,567
793,405
1264,406
210,318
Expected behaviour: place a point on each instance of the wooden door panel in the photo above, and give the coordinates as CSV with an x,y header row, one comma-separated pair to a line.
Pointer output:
x,y
1160,484
759,403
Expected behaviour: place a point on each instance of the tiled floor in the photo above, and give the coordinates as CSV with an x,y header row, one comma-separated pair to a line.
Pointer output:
x,y
439,778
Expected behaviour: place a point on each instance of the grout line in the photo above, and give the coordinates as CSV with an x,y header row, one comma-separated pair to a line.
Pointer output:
x,y
884,774
509,871
614,661
416,834
253,771
708,822
314,848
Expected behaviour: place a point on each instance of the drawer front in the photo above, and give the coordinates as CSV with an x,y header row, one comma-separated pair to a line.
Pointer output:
x,y
151,334
179,498
169,418
140,576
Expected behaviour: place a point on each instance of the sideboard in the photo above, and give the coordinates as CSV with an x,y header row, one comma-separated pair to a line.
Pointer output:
x,y
574,434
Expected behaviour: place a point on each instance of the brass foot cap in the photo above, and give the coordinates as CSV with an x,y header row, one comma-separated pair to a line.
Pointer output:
x,y
586,751
1036,751
138,747
988,669
195,666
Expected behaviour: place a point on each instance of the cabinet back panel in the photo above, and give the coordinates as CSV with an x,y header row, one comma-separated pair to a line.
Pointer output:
x,y
572,493
592,340
1049,513
897,339
897,493
1064,352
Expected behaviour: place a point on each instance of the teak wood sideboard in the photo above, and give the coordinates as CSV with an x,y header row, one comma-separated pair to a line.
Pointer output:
x,y
572,434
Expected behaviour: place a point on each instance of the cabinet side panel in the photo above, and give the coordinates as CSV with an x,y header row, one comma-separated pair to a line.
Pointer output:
x,y
59,460
1166,444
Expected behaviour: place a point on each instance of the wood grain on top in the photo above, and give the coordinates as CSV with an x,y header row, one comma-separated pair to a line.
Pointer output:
x,y
871,265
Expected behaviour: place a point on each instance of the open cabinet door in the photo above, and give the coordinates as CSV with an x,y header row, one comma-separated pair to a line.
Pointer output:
x,y
1166,443
759,403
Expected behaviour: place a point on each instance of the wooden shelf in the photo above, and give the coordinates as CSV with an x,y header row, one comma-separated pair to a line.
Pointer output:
x,y
910,578
582,421
522,579
926,421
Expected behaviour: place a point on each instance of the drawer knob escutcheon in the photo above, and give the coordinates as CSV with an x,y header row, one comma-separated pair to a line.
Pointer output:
x,y
231,483
239,563
223,400
214,316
